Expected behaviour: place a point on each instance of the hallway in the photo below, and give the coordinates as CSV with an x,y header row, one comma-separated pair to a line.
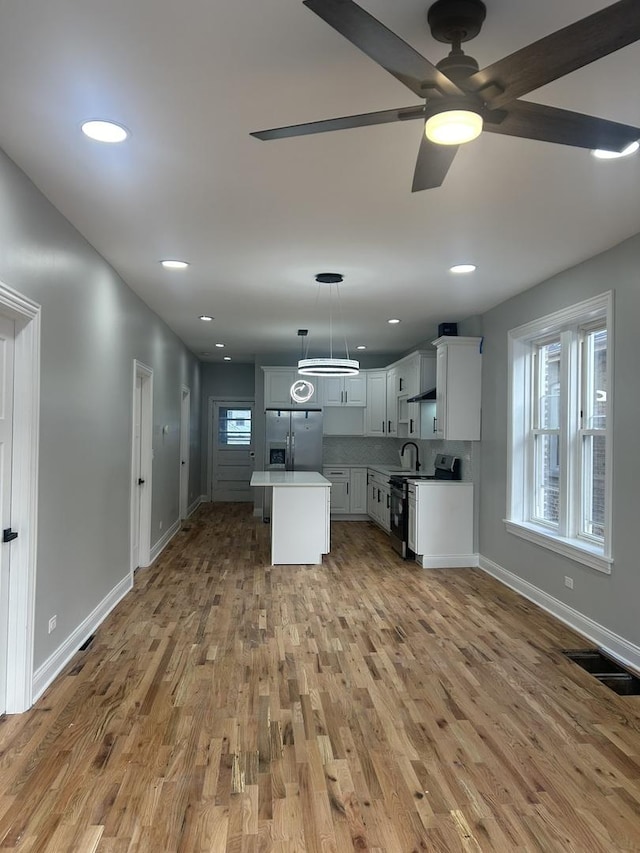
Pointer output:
x,y
366,704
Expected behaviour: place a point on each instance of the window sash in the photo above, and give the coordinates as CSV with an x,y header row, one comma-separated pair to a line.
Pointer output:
x,y
583,482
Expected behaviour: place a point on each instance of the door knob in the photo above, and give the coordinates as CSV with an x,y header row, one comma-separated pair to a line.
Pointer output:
x,y
8,535
140,481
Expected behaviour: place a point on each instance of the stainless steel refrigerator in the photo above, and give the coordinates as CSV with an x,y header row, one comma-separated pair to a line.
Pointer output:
x,y
293,442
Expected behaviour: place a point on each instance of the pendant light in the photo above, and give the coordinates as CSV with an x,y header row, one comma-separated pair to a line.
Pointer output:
x,y
329,365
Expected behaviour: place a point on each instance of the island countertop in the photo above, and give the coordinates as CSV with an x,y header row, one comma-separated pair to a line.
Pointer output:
x,y
288,478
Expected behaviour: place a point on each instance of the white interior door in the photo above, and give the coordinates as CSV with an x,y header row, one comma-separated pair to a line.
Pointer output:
x,y
7,339
141,466
231,441
185,428
137,473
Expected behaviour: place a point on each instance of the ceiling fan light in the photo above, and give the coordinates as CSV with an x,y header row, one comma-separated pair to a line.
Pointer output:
x,y
601,154
453,127
328,367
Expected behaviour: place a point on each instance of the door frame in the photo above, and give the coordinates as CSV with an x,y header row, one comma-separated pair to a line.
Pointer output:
x,y
145,373
24,497
185,450
211,455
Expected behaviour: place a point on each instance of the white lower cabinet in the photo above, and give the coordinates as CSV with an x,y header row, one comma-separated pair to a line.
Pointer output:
x,y
440,524
379,499
348,489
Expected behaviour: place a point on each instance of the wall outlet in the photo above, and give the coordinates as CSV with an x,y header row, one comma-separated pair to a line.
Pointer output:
x,y
52,623
568,582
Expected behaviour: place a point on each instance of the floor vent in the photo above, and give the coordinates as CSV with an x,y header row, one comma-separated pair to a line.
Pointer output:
x,y
610,673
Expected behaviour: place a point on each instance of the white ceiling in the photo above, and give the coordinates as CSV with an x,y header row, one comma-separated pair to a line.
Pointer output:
x,y
257,220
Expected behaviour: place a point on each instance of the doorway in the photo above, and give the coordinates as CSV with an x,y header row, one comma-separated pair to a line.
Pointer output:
x,y
141,464
20,416
232,455
185,429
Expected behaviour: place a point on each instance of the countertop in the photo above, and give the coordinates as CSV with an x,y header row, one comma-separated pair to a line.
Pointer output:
x,y
288,478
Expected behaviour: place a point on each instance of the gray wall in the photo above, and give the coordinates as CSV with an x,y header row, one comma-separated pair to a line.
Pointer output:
x,y
93,326
611,600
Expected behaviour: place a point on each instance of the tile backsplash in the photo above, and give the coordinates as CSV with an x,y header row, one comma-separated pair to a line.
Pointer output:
x,y
347,450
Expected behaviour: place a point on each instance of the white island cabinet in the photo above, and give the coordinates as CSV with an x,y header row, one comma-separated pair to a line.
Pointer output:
x,y
299,515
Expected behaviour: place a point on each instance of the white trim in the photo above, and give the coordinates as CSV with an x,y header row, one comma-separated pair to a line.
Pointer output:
x,y
212,445
580,553
349,516
618,647
146,452
194,506
185,447
448,561
162,543
56,662
24,498
519,475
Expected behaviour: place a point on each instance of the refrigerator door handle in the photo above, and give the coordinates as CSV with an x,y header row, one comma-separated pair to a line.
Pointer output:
x,y
293,451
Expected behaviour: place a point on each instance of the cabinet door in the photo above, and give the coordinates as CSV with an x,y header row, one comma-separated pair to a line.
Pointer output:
x,y
355,390
392,402
376,411
358,490
441,392
411,524
277,389
332,391
339,496
409,377
371,498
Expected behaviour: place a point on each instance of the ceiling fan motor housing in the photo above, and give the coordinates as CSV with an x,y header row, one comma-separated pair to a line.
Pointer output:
x,y
455,21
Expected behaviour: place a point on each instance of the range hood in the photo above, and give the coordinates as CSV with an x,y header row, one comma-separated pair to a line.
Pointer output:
x,y
424,395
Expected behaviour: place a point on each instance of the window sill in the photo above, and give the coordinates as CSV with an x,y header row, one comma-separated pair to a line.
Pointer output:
x,y
574,549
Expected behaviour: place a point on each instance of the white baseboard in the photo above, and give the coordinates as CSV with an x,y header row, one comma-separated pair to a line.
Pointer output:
x,y
161,544
257,512
622,650
47,671
448,561
194,506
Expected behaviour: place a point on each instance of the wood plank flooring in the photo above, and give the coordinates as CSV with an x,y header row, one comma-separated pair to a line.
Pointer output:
x,y
366,704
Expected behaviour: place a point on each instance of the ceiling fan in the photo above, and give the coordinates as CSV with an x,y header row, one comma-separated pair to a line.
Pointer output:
x,y
461,100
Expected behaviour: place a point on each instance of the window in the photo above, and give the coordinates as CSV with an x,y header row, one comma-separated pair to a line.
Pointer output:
x,y
559,441
234,427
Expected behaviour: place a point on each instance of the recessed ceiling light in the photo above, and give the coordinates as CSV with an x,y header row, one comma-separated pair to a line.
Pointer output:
x,y
206,318
462,268
104,131
170,264
220,346
227,358
393,321
361,347
600,154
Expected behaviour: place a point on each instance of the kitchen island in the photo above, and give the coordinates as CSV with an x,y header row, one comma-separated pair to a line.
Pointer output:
x,y
299,515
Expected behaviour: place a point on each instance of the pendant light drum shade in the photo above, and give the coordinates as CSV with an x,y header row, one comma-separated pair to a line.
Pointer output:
x,y
328,367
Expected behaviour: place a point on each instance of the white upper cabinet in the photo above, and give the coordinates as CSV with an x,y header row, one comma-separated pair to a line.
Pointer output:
x,y
277,389
392,403
458,391
344,390
376,411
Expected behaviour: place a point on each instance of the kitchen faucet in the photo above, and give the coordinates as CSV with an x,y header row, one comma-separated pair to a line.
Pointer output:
x,y
406,444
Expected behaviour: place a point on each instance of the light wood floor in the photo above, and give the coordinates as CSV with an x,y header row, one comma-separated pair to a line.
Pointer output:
x,y
367,704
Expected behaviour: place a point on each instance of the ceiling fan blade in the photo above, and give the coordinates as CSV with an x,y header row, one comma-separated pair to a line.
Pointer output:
x,y
384,47
558,54
549,124
432,164
364,120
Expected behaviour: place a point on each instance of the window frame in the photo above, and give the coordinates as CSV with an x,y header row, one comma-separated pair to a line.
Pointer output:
x,y
570,325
